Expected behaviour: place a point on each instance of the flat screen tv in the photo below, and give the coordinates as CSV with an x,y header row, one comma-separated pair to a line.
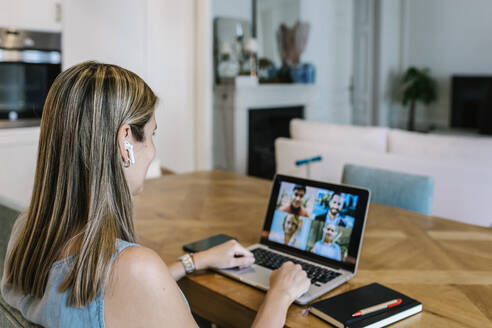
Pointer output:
x,y
471,103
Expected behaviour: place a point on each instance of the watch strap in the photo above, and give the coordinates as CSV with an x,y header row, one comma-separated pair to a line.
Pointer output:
x,y
188,263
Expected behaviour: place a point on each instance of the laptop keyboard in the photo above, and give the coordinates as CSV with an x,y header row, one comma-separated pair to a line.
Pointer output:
x,y
273,261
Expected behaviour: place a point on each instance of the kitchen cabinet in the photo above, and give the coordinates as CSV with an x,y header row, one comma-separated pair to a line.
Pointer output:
x,y
5,12
18,154
40,15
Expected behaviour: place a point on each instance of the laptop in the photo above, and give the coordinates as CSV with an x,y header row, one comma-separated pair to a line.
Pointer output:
x,y
315,224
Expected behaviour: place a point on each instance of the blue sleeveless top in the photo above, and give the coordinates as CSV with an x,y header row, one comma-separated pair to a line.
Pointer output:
x,y
51,310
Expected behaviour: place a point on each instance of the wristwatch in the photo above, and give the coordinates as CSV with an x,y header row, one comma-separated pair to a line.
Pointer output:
x,y
188,263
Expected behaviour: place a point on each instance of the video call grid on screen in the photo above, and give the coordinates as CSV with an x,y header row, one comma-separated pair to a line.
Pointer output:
x,y
321,221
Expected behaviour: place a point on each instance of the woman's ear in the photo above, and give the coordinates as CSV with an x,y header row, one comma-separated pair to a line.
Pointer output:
x,y
124,134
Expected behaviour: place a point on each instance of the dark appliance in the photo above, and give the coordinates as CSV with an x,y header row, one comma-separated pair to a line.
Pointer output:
x,y
266,125
29,63
471,103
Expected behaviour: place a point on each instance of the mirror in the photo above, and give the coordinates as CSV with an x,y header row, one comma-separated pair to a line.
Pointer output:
x,y
268,16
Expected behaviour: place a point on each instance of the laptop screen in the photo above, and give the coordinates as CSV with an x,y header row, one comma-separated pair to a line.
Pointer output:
x,y
316,220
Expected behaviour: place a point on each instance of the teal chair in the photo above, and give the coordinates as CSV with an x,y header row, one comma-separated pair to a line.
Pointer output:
x,y
408,191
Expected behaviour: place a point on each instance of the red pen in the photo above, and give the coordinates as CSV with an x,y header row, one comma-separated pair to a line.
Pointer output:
x,y
378,307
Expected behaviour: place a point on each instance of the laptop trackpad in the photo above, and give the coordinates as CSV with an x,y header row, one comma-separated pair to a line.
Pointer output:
x,y
255,275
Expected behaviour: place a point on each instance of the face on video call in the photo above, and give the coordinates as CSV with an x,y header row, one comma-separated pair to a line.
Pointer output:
x,y
290,225
297,198
336,204
330,232
294,203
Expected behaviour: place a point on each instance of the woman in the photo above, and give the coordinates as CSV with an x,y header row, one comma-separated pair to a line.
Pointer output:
x,y
291,227
72,258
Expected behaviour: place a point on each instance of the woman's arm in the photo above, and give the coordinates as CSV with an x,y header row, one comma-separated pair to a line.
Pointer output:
x,y
227,255
286,284
272,312
142,293
142,289
177,270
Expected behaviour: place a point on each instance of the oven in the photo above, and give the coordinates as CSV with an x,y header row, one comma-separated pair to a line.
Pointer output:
x,y
29,63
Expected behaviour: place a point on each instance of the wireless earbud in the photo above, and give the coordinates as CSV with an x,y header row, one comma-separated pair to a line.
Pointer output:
x,y
129,147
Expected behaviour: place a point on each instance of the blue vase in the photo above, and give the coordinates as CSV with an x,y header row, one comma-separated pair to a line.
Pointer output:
x,y
296,74
309,72
303,73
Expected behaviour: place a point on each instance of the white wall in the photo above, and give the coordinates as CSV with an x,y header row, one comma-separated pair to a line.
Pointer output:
x,y
330,49
155,39
450,37
172,76
204,85
94,30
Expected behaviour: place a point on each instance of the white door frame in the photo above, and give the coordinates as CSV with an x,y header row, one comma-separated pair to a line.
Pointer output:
x,y
363,67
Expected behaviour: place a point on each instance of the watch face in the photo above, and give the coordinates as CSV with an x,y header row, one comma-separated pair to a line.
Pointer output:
x,y
187,260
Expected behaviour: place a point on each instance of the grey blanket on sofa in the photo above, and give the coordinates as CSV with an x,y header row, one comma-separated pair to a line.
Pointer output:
x,y
9,317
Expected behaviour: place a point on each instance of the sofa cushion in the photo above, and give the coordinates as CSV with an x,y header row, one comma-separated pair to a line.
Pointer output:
x,y
478,149
9,317
354,137
7,320
7,220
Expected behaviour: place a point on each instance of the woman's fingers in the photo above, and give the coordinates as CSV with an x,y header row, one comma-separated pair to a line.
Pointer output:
x,y
242,256
239,250
243,261
229,254
290,280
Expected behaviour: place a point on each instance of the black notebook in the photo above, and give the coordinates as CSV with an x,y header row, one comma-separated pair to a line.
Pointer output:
x,y
338,310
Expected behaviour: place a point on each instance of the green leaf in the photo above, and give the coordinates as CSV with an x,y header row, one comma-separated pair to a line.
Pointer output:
x,y
418,86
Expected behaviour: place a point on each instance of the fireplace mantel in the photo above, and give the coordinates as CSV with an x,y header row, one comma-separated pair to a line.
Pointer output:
x,y
231,106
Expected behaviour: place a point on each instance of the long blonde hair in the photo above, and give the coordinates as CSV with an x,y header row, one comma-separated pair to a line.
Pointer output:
x,y
79,187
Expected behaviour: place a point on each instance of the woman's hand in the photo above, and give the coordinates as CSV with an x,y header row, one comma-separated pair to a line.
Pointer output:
x,y
286,284
227,255
289,282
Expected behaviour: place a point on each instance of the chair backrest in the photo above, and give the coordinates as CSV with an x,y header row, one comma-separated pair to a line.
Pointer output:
x,y
408,191
9,317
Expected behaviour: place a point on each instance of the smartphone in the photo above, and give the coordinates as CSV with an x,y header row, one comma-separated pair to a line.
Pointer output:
x,y
207,243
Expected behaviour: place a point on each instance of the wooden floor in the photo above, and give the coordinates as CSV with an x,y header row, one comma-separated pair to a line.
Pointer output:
x,y
444,264
165,171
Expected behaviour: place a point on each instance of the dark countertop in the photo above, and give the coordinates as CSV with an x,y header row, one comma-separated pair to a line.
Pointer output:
x,y
22,123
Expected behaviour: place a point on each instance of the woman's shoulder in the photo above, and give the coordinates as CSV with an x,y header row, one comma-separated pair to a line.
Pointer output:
x,y
139,263
140,282
136,270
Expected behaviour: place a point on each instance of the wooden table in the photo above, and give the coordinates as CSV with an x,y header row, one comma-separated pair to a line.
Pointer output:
x,y
444,264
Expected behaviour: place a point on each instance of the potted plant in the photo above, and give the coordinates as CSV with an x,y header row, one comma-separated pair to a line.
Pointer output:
x,y
417,86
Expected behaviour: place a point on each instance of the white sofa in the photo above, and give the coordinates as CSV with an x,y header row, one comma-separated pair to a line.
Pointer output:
x,y
461,166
